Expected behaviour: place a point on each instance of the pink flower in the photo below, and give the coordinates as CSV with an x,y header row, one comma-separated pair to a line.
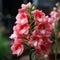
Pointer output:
x,y
38,15
17,48
21,18
22,26
24,29
35,41
43,30
54,15
45,46
21,29
24,8
13,36
20,32
16,38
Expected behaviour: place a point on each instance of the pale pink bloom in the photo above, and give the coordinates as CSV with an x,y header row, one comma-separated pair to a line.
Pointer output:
x,y
25,6
28,5
17,48
16,29
58,11
21,18
16,37
13,36
54,16
21,29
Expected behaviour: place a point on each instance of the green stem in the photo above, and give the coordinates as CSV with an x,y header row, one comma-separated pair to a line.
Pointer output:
x,y
55,49
30,57
30,54
30,19
56,31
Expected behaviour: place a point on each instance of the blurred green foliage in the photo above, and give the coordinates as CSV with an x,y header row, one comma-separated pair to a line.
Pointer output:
x,y
4,48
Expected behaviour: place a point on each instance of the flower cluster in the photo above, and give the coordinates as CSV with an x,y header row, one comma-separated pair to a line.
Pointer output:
x,y
33,28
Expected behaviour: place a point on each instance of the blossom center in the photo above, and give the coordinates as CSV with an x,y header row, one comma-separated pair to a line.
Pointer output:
x,y
22,21
42,31
18,51
35,43
39,19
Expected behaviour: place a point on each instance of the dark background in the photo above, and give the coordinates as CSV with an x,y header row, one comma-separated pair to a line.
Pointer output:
x,y
10,7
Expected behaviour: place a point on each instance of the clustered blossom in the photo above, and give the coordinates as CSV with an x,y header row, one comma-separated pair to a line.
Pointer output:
x,y
20,30
40,37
